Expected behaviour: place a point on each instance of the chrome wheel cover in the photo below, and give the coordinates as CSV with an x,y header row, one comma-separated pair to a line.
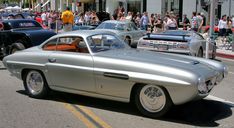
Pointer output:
x,y
34,82
152,98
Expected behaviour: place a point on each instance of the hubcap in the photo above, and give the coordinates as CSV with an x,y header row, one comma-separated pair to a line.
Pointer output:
x,y
152,98
34,82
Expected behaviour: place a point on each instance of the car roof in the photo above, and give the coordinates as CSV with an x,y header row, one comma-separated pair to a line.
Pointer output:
x,y
84,33
116,22
17,20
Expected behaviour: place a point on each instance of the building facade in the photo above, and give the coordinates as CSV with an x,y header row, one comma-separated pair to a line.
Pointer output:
x,y
179,7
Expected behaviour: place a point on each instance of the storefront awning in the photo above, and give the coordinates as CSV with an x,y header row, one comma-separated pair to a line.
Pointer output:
x,y
45,3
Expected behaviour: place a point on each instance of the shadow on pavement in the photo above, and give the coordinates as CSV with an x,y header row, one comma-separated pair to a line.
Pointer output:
x,y
197,113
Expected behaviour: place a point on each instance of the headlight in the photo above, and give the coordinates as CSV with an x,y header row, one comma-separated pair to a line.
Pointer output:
x,y
202,85
225,71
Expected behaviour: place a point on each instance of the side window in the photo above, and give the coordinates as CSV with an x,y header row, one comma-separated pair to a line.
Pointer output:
x,y
50,45
198,36
67,44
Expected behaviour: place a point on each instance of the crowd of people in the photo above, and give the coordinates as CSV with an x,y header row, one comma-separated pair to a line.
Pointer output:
x,y
153,23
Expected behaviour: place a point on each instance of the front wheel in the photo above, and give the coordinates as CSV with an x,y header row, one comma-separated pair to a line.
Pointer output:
x,y
152,101
35,84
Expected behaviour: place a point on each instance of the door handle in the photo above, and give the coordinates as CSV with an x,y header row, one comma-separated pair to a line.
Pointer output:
x,y
52,60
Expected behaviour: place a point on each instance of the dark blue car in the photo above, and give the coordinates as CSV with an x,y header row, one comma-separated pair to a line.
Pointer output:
x,y
19,34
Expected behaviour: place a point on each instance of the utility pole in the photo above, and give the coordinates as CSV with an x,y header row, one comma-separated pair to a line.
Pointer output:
x,y
212,14
230,5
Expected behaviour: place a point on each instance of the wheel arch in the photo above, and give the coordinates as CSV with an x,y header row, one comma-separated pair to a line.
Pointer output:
x,y
22,38
26,70
178,95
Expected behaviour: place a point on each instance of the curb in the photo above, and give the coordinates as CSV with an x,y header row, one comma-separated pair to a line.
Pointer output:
x,y
223,55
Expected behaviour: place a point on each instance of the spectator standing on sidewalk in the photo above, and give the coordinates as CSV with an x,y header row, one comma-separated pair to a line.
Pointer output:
x,y
204,19
171,23
152,21
43,18
115,15
129,16
53,16
229,26
186,22
199,22
194,22
137,19
67,20
144,21
222,26
159,24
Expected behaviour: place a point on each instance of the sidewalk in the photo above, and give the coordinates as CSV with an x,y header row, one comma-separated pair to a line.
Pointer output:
x,y
225,53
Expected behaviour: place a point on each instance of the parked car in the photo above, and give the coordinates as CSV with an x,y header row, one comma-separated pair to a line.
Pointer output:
x,y
178,41
83,27
19,34
125,30
99,64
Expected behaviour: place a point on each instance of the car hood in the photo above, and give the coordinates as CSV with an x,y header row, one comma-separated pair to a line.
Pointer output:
x,y
140,58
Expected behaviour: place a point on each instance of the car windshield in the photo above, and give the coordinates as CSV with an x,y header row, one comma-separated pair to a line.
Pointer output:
x,y
104,42
114,26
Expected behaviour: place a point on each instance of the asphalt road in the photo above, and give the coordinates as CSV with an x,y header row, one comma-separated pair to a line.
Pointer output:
x,y
62,110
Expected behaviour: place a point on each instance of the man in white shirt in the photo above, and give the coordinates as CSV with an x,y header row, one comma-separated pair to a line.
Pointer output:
x,y
43,18
222,26
129,16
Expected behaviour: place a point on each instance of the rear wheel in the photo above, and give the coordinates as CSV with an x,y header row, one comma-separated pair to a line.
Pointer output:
x,y
152,101
200,53
35,84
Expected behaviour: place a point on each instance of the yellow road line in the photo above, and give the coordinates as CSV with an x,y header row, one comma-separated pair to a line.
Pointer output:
x,y
80,116
94,117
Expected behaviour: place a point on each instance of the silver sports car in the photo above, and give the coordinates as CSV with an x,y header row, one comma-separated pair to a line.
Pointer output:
x,y
126,30
178,41
98,64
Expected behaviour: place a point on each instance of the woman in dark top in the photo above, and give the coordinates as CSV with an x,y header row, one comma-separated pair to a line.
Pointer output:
x,y
152,21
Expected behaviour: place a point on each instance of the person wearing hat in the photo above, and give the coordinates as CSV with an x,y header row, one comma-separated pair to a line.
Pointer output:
x,y
67,20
